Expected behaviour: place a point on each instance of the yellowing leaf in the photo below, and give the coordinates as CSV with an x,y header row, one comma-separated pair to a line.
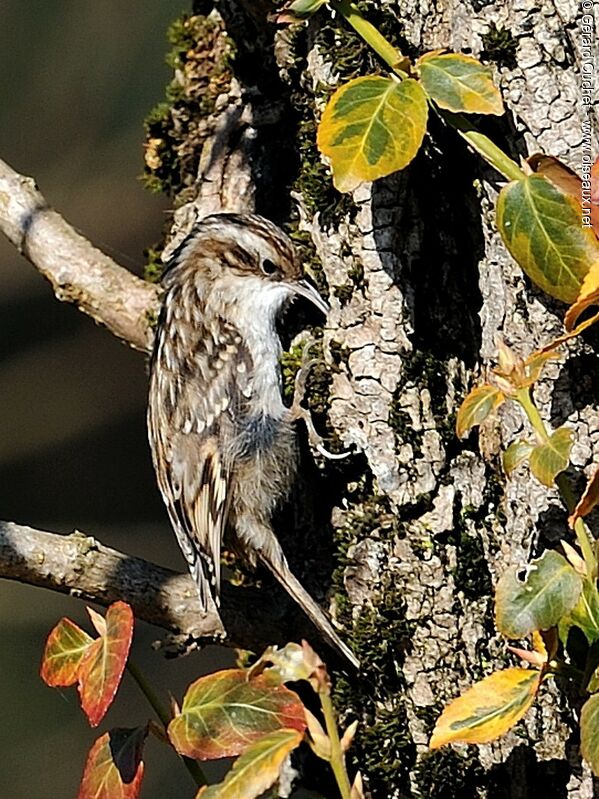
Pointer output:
x,y
488,709
548,460
589,732
540,226
371,127
256,769
515,454
224,713
549,590
589,295
479,403
565,179
459,83
588,501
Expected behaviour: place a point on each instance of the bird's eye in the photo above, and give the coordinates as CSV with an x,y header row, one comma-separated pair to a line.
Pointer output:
x,y
268,267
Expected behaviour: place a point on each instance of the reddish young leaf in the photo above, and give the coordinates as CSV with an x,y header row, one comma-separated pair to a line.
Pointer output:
x,y
566,180
225,712
588,501
103,665
114,768
588,297
65,648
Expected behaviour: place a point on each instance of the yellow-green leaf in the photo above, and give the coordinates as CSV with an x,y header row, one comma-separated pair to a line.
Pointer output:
x,y
548,460
371,127
540,226
589,732
548,591
585,613
65,648
459,83
476,407
488,709
256,769
515,454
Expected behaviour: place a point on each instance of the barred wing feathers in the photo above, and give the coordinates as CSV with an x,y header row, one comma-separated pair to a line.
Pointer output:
x,y
200,382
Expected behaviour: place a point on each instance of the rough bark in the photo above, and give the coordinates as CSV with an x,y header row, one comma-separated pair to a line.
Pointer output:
x,y
420,286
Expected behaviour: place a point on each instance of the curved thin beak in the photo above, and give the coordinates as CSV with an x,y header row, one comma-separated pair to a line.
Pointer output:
x,y
307,290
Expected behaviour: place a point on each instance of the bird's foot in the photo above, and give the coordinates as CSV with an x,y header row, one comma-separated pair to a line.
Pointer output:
x,y
297,410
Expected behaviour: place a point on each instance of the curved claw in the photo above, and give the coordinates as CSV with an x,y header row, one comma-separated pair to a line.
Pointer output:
x,y
332,456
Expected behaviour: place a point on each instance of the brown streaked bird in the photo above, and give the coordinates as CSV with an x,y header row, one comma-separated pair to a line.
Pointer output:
x,y
222,440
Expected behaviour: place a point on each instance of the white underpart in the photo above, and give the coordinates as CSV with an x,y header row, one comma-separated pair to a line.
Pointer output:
x,y
254,304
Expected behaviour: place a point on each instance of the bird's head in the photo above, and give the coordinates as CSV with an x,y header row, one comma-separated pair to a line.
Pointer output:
x,y
236,257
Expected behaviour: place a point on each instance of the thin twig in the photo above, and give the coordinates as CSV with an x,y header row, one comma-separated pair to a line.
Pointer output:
x,y
79,565
78,271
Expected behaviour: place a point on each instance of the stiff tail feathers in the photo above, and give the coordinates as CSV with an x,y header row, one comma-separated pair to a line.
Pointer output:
x,y
313,611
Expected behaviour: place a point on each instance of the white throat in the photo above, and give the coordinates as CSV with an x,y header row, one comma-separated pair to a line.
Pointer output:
x,y
253,304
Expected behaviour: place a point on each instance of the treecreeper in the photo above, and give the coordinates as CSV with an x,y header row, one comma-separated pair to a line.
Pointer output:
x,y
223,442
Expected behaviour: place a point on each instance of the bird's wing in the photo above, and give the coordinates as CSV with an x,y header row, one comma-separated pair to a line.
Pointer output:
x,y
200,383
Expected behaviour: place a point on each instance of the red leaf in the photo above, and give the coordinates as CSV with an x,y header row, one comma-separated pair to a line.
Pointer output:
x,y
102,667
65,648
114,768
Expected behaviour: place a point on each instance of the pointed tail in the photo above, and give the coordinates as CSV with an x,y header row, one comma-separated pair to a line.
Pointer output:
x,y
280,569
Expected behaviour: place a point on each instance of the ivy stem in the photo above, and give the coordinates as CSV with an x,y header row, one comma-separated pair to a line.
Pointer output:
x,y
401,66
532,414
526,401
337,760
393,57
483,145
163,714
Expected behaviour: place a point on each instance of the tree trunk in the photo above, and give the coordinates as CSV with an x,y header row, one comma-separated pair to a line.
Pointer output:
x,y
420,525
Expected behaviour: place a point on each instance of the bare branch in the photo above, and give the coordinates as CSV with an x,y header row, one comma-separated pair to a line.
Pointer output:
x,y
79,565
79,273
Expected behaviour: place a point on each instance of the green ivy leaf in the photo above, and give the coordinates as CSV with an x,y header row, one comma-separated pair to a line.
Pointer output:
x,y
540,226
371,127
551,588
459,83
515,454
548,460
585,613
589,732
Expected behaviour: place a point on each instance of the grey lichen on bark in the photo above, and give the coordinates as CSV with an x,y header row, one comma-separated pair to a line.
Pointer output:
x,y
420,287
